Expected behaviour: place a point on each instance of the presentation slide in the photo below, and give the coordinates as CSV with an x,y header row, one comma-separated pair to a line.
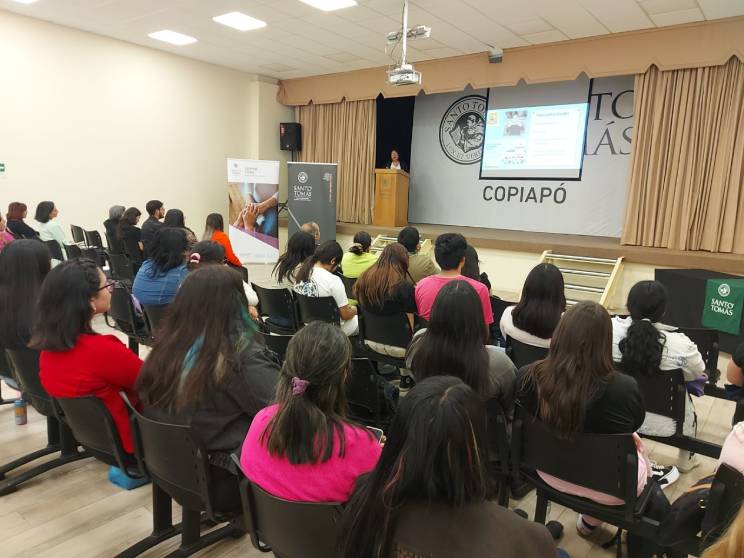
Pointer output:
x,y
532,135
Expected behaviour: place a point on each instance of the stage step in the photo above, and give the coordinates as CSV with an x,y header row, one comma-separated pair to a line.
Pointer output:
x,y
588,275
584,272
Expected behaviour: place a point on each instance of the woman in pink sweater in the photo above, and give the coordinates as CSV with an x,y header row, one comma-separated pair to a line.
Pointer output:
x,y
303,448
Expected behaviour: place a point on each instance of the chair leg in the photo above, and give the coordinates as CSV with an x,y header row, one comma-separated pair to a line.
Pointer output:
x,y
191,540
162,525
541,508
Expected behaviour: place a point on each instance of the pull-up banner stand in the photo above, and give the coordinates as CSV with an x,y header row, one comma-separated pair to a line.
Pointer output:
x,y
312,192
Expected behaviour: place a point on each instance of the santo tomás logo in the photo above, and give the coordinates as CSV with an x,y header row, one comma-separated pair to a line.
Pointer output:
x,y
724,290
302,177
462,129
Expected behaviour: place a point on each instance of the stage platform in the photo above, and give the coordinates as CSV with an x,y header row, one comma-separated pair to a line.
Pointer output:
x,y
594,246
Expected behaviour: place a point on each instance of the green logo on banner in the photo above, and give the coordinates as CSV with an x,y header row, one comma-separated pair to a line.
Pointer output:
x,y
724,299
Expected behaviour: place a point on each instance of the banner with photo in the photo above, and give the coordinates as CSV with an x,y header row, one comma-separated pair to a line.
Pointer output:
x,y
253,191
312,193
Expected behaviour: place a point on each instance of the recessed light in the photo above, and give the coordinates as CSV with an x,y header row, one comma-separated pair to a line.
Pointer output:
x,y
172,37
239,21
25,1
330,5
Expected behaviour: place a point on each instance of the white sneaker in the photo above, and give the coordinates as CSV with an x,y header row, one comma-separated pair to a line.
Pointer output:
x,y
665,475
687,461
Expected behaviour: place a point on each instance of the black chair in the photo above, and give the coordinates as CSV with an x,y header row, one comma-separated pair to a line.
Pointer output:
x,y
523,354
317,309
55,250
177,464
115,246
78,235
155,315
289,529
121,268
348,285
25,367
393,330
277,304
93,239
499,463
498,306
133,251
278,344
364,394
7,376
708,344
72,251
127,319
665,394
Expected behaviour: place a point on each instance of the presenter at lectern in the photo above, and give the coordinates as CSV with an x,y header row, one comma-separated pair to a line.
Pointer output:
x,y
395,161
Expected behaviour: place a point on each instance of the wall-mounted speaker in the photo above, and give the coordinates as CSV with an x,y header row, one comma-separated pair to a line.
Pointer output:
x,y
290,136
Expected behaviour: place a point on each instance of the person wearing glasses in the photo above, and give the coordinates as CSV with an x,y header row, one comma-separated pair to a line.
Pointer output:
x,y
75,360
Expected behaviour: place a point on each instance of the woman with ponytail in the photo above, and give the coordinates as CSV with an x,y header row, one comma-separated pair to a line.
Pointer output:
x,y
642,345
304,448
358,259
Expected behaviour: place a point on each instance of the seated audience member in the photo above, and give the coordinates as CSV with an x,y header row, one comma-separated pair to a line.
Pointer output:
x,y
301,245
303,448
449,251
49,229
174,218
214,230
642,345
734,371
385,289
538,311
313,228
152,224
207,252
419,265
214,372
17,212
75,360
316,277
23,266
358,259
577,389
5,236
731,542
163,272
472,268
427,496
456,343
130,235
111,225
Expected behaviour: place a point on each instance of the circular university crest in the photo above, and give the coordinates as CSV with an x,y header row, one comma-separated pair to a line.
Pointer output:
x,y
302,177
462,129
724,290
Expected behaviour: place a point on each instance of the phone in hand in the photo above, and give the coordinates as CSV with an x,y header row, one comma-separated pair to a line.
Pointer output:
x,y
378,433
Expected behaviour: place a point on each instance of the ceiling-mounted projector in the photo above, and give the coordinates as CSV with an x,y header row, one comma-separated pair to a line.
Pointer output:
x,y
404,75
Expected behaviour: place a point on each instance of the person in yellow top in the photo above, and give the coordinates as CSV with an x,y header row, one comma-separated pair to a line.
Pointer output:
x,y
358,258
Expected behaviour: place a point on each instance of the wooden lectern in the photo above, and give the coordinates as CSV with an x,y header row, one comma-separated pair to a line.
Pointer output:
x,y
391,198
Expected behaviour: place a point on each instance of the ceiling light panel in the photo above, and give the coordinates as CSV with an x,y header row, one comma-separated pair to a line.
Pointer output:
x,y
239,21
172,37
330,5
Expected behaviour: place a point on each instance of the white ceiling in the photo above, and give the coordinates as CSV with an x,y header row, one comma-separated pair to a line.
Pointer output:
x,y
300,40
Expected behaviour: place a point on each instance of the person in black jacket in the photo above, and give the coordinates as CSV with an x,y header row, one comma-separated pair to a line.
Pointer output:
x,y
211,369
156,212
17,212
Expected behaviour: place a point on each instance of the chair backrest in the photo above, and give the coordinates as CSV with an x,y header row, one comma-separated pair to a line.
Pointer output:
x,y
278,344
93,239
155,315
664,394
707,343
121,267
317,309
72,251
276,304
393,329
115,246
78,234
55,250
498,306
292,529
362,392
348,285
125,316
94,428
724,501
614,458
498,436
25,363
132,250
523,354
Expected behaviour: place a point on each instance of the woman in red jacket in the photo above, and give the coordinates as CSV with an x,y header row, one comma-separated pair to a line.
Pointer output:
x,y
75,361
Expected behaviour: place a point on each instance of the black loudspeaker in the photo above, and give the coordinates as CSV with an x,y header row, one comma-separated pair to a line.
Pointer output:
x,y
290,136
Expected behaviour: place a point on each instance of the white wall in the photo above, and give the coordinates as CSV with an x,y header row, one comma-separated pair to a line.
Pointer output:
x,y
89,122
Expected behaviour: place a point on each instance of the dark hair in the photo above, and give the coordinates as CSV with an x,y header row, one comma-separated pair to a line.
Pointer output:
x,y
64,305
128,219
214,223
436,452
305,425
449,250
23,266
455,339
362,242
43,211
327,252
191,357
16,211
643,345
152,206
409,238
167,249
382,279
542,303
116,212
471,269
301,245
209,253
174,218
578,366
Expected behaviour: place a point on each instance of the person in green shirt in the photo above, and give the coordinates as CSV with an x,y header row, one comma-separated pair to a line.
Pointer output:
x,y
358,258
419,265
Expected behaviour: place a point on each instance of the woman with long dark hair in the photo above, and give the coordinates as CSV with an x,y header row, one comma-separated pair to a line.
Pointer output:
x,y
534,318
358,259
164,270
427,494
300,246
643,346
17,212
304,448
130,235
471,268
455,343
214,230
316,277
76,361
174,218
49,229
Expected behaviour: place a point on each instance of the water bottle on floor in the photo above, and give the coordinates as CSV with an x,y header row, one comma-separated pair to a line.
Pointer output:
x,y
21,415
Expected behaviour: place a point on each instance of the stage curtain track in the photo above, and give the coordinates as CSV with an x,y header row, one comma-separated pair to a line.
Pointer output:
x,y
687,171
344,133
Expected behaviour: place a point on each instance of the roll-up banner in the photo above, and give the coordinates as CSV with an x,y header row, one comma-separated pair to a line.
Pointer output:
x,y
253,190
312,193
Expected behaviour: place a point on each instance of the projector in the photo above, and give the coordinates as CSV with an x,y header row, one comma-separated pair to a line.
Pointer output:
x,y
404,75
